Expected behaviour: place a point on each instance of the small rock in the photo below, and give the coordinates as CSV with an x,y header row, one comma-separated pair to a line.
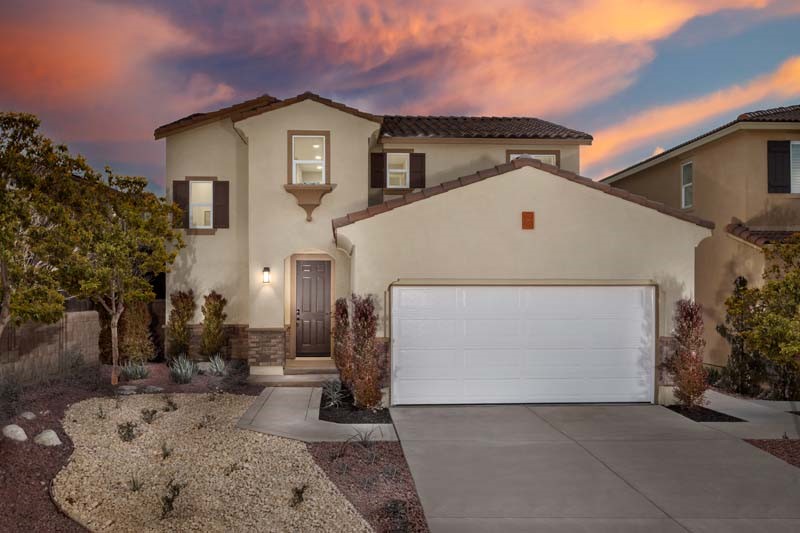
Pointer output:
x,y
27,415
14,432
47,437
150,389
126,390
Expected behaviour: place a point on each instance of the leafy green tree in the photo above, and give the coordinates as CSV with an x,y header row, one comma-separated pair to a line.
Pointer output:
x,y
40,213
130,238
776,326
744,370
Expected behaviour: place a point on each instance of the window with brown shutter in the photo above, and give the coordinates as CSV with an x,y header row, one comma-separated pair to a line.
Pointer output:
x,y
778,167
180,197
377,172
417,179
221,204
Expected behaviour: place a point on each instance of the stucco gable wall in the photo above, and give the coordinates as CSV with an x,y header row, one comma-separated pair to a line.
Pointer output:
x,y
474,233
213,262
278,226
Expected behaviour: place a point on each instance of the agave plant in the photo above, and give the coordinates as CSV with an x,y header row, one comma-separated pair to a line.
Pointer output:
x,y
217,365
332,393
182,370
134,370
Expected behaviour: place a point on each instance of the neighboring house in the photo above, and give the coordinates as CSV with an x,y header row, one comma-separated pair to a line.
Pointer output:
x,y
745,177
500,274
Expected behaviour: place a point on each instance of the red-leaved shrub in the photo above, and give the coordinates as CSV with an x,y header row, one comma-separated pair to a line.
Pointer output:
x,y
366,368
343,342
686,364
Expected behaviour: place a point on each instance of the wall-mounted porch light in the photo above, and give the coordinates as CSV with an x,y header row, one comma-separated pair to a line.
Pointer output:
x,y
266,275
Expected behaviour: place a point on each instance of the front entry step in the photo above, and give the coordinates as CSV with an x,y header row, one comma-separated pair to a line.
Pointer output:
x,y
316,365
297,380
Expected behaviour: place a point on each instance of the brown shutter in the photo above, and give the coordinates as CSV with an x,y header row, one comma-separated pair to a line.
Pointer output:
x,y
221,204
417,165
377,170
778,167
180,197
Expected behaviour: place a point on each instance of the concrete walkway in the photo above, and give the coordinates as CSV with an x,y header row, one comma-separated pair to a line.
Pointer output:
x,y
764,419
293,412
606,468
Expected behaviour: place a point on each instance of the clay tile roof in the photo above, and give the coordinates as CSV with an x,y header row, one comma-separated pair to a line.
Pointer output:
x,y
307,96
775,114
482,175
198,119
476,127
757,237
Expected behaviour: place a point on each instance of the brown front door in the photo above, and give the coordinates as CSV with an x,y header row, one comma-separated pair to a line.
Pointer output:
x,y
313,313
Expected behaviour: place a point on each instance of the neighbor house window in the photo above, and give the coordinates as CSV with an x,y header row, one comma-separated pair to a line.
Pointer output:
x,y
201,204
309,154
795,168
550,159
687,185
397,171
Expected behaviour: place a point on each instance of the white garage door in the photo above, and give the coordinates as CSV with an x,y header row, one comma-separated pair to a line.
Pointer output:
x,y
522,344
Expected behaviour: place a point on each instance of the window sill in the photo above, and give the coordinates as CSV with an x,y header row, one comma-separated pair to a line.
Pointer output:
x,y
201,231
397,190
794,195
309,196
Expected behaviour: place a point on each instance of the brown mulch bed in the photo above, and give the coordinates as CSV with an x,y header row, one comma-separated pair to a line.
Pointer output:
x,y
348,413
786,449
26,468
703,414
376,480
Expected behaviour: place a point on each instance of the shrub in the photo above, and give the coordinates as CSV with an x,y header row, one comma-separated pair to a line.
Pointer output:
x,y
217,366
127,431
212,340
148,415
366,369
181,313
713,376
343,342
166,450
10,394
134,484
169,404
686,365
298,495
182,370
168,499
136,344
745,368
332,393
134,370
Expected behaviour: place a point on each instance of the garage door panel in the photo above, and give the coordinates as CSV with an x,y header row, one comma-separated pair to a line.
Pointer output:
x,y
429,332
526,344
427,363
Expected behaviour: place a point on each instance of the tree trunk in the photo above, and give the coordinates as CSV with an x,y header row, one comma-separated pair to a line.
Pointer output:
x,y
5,318
114,348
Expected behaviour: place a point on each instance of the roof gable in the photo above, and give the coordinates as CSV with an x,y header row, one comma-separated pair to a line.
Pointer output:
x,y
198,119
247,113
776,114
481,175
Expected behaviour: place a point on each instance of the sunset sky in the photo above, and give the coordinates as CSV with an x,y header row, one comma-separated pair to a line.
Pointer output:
x,y
638,75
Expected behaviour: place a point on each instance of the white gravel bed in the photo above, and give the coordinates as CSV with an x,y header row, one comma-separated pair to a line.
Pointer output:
x,y
236,480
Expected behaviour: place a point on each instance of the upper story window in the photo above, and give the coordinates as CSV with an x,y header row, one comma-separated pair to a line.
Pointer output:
x,y
397,171
309,159
550,158
687,185
783,167
201,204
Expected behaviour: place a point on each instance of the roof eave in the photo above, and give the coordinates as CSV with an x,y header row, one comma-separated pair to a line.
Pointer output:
x,y
389,139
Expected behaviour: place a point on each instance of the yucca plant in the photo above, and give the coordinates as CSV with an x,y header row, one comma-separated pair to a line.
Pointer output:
x,y
134,370
332,393
182,370
217,365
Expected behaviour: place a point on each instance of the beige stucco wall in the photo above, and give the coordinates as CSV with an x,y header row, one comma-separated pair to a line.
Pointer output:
x,y
278,226
474,233
730,176
213,262
448,159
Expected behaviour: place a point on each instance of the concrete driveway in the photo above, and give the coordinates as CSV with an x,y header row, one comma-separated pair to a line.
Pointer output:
x,y
619,468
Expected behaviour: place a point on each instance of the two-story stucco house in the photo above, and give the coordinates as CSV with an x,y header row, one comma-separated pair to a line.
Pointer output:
x,y
745,177
501,275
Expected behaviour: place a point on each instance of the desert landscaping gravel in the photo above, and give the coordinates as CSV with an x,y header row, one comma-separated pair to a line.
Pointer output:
x,y
235,480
